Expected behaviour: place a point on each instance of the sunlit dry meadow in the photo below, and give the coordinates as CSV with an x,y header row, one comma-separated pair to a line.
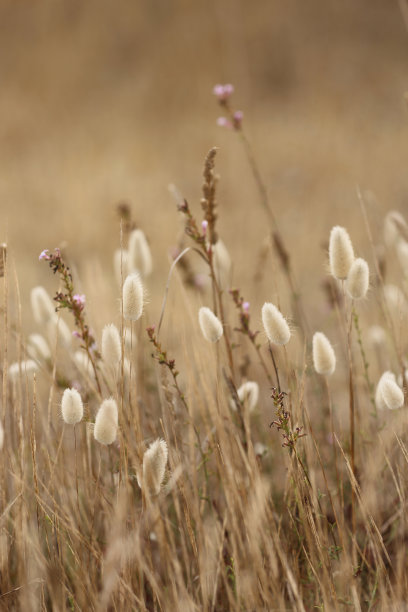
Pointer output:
x,y
203,464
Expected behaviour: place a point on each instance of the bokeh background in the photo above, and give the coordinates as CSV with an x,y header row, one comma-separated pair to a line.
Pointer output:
x,y
104,101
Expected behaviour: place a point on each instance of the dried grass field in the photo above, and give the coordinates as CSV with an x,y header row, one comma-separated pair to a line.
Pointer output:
x,y
203,305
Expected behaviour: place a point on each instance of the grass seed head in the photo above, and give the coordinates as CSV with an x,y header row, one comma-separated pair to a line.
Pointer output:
x,y
392,394
341,253
133,297
379,396
111,345
154,466
42,306
358,279
275,325
139,254
37,347
106,422
248,394
72,407
23,368
58,329
324,358
210,325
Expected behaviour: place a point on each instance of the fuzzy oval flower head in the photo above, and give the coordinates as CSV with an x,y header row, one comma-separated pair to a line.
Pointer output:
x,y
210,325
139,254
72,408
42,306
324,358
388,394
106,422
341,253
358,279
38,348
392,394
275,325
133,297
111,345
248,394
23,368
154,467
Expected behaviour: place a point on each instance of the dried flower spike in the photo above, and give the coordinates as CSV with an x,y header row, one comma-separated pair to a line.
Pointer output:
x,y
133,297
210,325
106,422
139,254
154,467
341,254
275,324
111,345
324,358
358,279
72,407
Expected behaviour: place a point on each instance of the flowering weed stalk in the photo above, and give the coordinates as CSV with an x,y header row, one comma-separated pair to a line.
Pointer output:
x,y
206,238
244,328
74,303
234,121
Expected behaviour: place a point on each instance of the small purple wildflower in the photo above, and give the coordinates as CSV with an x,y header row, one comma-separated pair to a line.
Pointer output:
x,y
44,255
79,299
223,92
245,307
76,334
204,226
224,122
238,117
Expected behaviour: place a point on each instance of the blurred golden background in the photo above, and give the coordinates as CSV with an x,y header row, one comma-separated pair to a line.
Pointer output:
x,y
105,101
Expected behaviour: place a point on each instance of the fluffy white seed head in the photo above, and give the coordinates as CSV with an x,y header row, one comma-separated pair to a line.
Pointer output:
x,y
154,467
111,345
358,279
72,408
58,330
42,306
222,264
376,335
395,227
379,397
23,368
38,348
139,254
106,422
275,324
133,297
341,253
324,358
120,265
248,394
210,325
389,392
